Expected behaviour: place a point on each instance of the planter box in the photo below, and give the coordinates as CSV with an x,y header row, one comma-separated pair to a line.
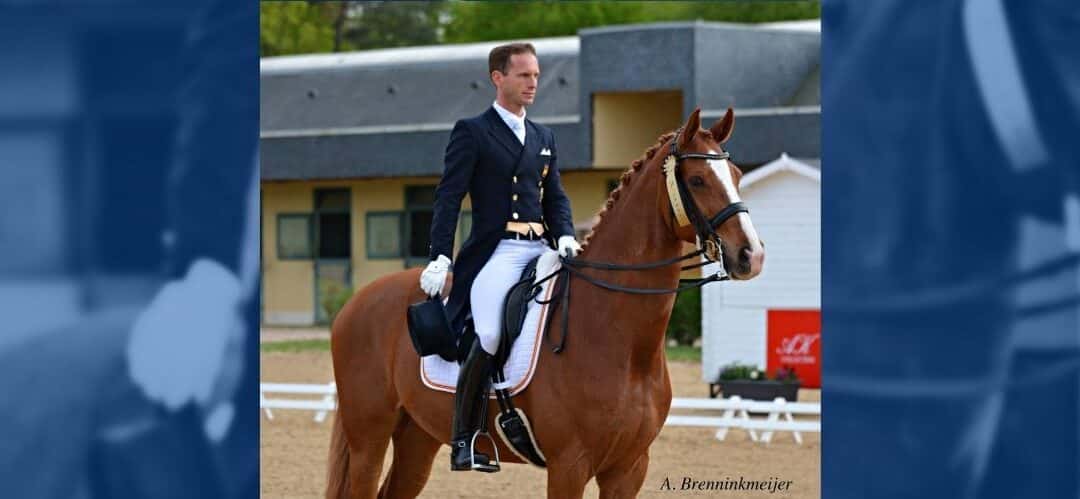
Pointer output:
x,y
760,390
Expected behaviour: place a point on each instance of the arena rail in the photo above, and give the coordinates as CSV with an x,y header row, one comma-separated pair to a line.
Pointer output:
x,y
737,415
323,405
736,411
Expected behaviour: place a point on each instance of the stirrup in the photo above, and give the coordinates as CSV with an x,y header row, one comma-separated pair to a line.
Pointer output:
x,y
491,466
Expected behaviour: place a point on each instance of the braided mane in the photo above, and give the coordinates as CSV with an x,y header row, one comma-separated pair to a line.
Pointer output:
x,y
624,181
627,177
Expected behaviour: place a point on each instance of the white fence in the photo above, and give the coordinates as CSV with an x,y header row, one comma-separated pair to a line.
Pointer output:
x,y
326,402
736,412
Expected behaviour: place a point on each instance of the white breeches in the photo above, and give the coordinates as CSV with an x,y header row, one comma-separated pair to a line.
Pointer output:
x,y
489,288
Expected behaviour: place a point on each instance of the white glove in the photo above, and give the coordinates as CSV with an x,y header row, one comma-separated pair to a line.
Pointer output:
x,y
433,278
569,247
179,344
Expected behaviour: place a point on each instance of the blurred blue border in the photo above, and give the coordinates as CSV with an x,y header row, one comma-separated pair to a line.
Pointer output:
x,y
128,141
951,296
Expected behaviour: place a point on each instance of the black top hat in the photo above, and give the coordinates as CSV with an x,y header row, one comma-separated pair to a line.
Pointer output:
x,y
430,329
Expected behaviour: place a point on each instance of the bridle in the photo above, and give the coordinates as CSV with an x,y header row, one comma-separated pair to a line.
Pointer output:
x,y
686,210
686,213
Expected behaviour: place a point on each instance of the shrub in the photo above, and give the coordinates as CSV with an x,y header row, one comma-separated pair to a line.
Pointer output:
x,y
334,297
735,370
685,325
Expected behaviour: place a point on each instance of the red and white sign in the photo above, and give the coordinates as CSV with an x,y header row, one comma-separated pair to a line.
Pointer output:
x,y
794,340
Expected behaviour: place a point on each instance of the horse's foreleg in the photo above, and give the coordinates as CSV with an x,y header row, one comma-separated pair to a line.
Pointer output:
x,y
414,452
567,478
623,481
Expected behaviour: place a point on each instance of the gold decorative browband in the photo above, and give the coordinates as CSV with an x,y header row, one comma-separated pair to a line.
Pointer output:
x,y
673,192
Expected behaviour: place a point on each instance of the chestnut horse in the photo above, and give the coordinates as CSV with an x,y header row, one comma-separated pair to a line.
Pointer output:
x,y
595,407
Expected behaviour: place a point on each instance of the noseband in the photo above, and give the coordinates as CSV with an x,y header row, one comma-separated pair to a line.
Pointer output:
x,y
686,210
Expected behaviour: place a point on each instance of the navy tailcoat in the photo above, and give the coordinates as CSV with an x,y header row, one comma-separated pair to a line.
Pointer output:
x,y
485,159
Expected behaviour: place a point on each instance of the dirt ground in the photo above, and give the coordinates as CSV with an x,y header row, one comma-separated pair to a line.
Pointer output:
x,y
293,450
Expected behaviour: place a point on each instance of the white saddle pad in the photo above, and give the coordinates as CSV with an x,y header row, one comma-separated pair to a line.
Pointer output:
x,y
441,375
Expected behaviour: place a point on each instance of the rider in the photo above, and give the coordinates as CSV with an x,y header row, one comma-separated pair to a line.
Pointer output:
x,y
507,164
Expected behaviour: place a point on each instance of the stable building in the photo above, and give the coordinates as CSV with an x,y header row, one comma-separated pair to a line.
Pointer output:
x,y
352,144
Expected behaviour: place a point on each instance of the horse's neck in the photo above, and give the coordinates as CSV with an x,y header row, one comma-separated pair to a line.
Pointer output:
x,y
631,233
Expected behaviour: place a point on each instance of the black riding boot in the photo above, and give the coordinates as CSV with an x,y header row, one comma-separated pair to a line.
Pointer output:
x,y
471,395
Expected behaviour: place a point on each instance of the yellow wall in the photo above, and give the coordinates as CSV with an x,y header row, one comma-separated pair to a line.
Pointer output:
x,y
627,123
587,191
288,285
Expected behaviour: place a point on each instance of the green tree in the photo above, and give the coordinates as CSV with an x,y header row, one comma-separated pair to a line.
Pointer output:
x,y
737,12
297,27
394,24
480,21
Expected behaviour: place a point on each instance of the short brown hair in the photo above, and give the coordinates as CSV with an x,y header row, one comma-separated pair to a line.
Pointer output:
x,y
499,58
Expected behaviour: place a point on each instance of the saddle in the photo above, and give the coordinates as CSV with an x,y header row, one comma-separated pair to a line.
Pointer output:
x,y
515,310
431,335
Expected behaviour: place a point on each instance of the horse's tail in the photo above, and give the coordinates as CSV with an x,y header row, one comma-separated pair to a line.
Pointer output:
x,y
337,470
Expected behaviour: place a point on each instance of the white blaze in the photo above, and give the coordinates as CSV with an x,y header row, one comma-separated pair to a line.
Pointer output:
x,y
723,172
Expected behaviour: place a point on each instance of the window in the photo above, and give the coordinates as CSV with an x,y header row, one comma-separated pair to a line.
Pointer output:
x,y
294,236
384,231
332,200
333,223
419,213
407,233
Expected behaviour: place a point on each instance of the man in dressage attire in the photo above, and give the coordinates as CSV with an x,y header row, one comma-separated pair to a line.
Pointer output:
x,y
507,164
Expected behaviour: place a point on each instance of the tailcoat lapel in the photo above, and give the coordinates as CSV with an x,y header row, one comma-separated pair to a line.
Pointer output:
x,y
533,143
502,133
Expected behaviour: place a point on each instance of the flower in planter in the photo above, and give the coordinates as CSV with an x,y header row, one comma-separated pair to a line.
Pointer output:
x,y
786,373
755,374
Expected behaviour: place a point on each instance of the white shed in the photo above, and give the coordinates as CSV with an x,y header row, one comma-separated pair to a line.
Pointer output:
x,y
774,319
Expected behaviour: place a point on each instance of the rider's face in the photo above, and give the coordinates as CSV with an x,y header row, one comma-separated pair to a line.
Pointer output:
x,y
517,86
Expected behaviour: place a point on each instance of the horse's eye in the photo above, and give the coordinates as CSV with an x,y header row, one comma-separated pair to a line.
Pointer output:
x,y
697,181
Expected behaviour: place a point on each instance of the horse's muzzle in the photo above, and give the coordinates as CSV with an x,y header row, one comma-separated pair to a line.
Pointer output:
x,y
748,263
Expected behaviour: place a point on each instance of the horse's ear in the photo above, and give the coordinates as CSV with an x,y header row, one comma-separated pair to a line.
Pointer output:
x,y
690,128
721,130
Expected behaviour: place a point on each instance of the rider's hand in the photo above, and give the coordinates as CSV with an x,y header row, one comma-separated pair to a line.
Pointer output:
x,y
433,277
179,344
569,247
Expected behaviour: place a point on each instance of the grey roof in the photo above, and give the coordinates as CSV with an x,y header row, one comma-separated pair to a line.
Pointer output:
x,y
408,87
391,154
389,112
760,137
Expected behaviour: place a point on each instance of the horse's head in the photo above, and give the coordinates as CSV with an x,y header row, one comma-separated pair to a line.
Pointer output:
x,y
704,178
